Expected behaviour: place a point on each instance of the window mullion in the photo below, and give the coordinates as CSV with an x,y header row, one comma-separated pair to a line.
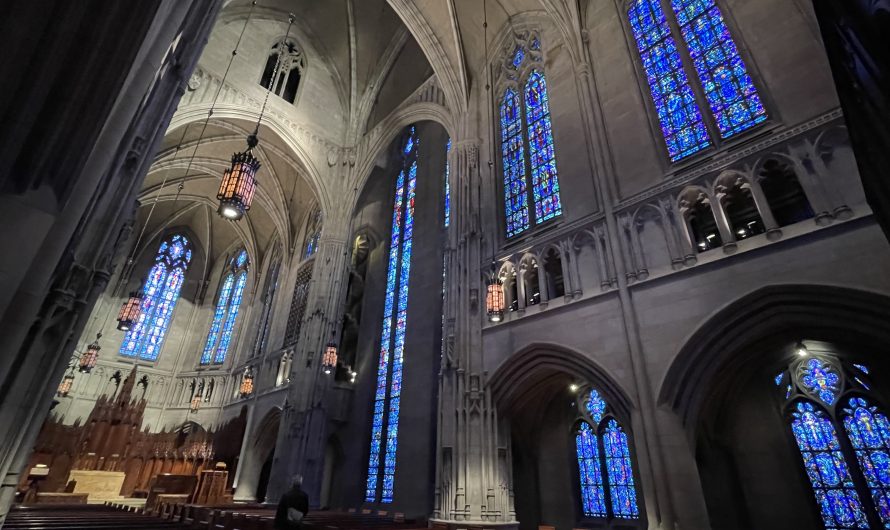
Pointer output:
x,y
691,73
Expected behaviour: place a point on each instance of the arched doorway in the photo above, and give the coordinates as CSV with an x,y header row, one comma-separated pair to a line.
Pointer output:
x,y
543,397
743,385
253,480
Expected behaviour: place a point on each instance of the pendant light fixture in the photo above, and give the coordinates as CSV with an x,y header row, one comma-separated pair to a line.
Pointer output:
x,y
88,358
329,359
239,183
130,311
246,388
65,385
494,299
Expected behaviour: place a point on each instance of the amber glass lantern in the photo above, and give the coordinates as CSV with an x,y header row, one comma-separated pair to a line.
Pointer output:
x,y
130,311
494,300
239,183
246,388
65,385
196,403
329,359
89,357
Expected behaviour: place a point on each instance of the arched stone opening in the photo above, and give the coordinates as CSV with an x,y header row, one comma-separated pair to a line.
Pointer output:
x,y
536,392
253,480
731,387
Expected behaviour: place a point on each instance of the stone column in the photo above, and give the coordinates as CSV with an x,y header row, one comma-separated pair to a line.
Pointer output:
x,y
471,486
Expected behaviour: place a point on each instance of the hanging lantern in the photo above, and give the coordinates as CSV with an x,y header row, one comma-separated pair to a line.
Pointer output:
x,y
195,404
329,360
130,311
494,300
65,385
246,383
89,357
239,183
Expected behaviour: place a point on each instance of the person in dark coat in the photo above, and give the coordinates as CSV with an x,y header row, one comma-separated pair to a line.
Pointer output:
x,y
292,507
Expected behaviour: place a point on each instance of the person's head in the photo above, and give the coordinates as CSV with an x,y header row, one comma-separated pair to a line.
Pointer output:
x,y
297,481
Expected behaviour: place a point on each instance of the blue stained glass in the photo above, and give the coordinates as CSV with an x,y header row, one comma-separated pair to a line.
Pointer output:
x,y
313,235
596,406
825,466
788,392
227,305
862,383
545,182
392,339
159,296
862,368
518,57
620,472
779,377
869,433
229,326
821,379
513,162
447,184
593,498
728,87
681,122
221,304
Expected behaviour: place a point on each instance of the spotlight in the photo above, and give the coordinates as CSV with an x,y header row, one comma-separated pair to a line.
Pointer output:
x,y
573,387
802,349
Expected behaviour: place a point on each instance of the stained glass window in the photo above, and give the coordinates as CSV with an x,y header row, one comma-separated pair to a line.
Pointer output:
x,y
826,468
160,294
620,471
226,313
730,92
313,234
605,453
869,433
593,497
681,121
821,379
596,406
513,161
269,289
527,149
447,184
387,397
545,184
731,95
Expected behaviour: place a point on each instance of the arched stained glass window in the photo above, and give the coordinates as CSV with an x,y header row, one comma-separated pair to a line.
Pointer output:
x,y
227,305
387,398
723,78
269,289
593,497
826,468
313,234
620,471
869,433
681,121
513,161
730,92
160,294
448,184
603,451
527,143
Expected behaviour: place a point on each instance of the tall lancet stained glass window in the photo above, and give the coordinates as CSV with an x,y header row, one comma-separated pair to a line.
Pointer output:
x,y
720,71
160,293
387,397
602,450
228,303
844,440
528,160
